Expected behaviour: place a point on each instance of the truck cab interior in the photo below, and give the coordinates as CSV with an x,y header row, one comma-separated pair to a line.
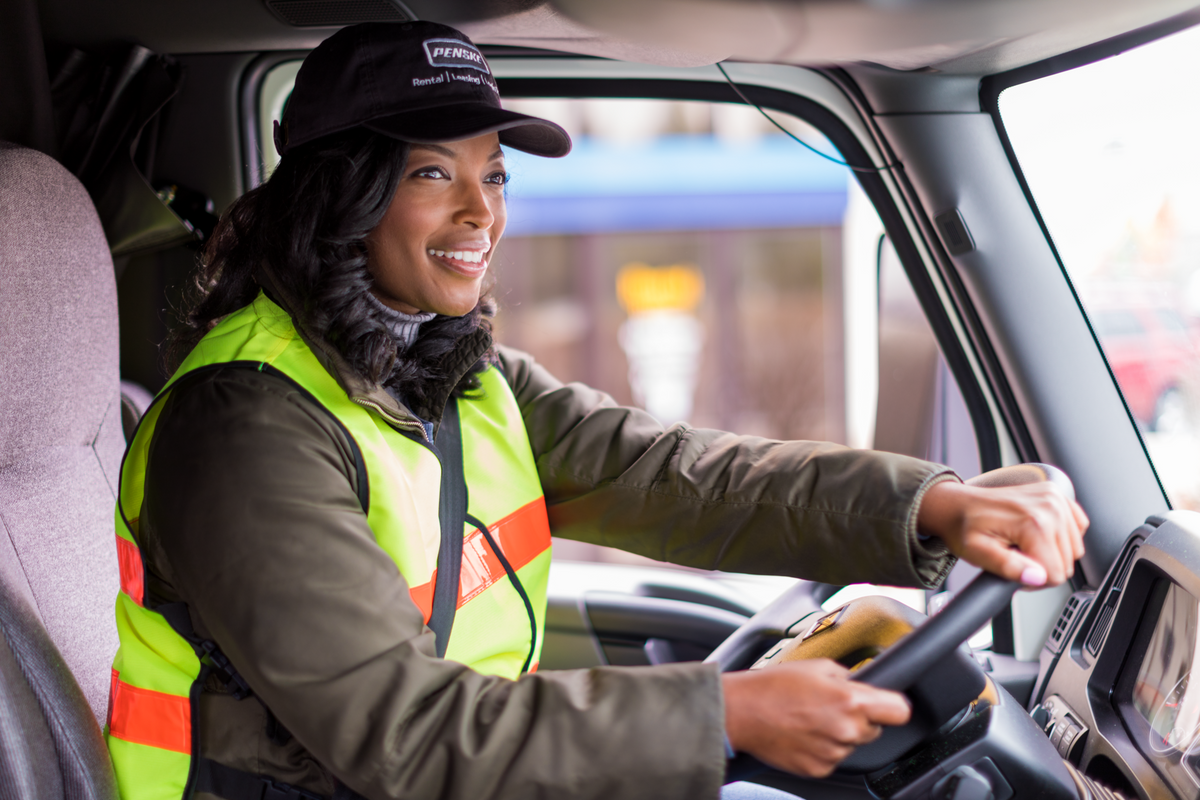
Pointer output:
x,y
959,231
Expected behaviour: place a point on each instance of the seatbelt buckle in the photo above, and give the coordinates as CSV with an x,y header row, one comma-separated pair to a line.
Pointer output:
x,y
227,672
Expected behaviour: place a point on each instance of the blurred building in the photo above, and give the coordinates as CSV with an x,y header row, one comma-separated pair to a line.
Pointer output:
x,y
712,186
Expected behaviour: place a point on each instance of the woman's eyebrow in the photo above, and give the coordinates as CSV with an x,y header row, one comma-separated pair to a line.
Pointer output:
x,y
437,148
446,151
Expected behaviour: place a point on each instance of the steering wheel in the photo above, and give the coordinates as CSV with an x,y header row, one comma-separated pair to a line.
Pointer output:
x,y
903,664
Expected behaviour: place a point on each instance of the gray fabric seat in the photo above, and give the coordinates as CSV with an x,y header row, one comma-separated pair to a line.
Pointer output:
x,y
60,449
50,744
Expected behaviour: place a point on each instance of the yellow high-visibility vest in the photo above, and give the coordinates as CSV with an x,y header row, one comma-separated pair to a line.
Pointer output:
x,y
152,705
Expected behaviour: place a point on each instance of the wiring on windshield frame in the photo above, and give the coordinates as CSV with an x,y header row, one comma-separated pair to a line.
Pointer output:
x,y
772,120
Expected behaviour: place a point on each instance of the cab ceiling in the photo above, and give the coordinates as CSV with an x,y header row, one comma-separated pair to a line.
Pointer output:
x,y
969,37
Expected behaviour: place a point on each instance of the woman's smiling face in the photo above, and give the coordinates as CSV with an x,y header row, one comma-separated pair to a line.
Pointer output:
x,y
433,246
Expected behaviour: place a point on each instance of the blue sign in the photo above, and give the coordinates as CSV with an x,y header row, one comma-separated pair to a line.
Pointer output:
x,y
674,183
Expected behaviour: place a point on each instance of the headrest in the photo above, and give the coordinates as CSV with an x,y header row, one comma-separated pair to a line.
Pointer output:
x,y
58,308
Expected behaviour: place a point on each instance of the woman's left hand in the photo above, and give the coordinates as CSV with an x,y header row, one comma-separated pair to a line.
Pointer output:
x,y
1030,533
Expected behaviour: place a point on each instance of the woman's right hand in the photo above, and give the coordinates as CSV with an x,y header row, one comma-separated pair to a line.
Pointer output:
x,y
806,717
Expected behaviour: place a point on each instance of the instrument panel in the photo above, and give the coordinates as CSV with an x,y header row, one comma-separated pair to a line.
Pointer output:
x,y
1116,694
1165,700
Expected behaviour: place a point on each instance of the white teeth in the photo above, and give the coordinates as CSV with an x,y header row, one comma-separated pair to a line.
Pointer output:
x,y
469,256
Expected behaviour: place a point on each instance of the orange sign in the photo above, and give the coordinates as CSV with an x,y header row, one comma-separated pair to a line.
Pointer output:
x,y
642,288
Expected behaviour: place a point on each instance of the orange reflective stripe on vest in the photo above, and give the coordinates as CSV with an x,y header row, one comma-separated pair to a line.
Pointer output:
x,y
143,716
129,560
523,535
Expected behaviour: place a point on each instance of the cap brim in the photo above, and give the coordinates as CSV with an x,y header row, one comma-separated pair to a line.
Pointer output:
x,y
451,123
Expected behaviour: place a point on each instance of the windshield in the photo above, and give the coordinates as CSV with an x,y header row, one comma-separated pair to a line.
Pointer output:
x,y
1108,152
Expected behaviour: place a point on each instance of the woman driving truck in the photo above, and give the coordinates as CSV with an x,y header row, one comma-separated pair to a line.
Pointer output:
x,y
335,520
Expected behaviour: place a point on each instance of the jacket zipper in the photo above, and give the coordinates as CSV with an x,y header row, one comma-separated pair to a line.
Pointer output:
x,y
402,425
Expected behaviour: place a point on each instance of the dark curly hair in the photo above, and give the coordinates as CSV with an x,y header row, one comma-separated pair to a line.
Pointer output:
x,y
307,224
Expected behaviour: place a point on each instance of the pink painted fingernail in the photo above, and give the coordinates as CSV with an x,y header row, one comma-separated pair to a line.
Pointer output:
x,y
1034,575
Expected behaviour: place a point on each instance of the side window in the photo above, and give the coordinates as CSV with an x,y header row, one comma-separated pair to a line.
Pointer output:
x,y
691,259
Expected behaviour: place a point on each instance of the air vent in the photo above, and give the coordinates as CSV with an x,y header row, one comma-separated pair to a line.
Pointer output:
x,y
1105,617
328,13
1076,607
1119,583
1100,630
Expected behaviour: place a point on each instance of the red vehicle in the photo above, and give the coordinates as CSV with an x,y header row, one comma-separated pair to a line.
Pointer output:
x,y
1153,354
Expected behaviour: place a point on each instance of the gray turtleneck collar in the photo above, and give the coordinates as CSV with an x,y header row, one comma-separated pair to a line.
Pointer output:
x,y
404,327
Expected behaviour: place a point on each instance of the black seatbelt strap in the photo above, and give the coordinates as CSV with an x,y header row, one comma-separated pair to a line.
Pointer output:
x,y
177,616
234,784
452,512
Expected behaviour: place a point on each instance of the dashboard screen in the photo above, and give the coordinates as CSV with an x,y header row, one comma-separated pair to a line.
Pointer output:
x,y
1165,694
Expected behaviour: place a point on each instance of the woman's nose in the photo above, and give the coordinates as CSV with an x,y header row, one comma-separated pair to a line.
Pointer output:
x,y
475,207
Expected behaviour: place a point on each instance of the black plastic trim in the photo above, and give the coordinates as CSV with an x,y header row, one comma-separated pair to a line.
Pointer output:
x,y
632,616
492,51
664,591
1110,684
1108,596
927,294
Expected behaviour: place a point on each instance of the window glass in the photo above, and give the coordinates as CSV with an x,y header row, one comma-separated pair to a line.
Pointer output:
x,y
1111,323
1106,150
691,259
276,89
682,258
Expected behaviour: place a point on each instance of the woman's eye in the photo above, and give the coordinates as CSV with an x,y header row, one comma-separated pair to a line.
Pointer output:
x,y
498,178
431,172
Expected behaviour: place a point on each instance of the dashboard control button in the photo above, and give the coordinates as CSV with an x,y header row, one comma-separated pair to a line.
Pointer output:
x,y
1056,737
1067,733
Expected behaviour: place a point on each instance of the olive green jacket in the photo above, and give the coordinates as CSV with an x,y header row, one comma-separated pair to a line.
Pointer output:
x,y
251,517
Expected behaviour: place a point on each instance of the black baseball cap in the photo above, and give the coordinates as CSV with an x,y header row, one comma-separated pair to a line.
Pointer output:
x,y
417,81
